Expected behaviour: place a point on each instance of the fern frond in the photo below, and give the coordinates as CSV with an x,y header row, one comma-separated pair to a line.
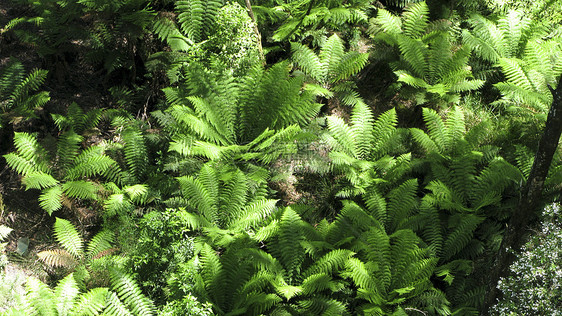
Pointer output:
x,y
362,129
66,292
68,147
414,52
349,65
436,128
136,154
4,232
389,22
416,19
39,180
57,258
29,149
343,135
401,203
514,72
288,249
308,61
50,199
80,189
40,297
92,302
255,213
69,238
461,235
329,263
331,54
129,292
383,129
99,243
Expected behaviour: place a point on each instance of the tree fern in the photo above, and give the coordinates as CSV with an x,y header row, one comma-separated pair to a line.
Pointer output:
x,y
216,117
332,66
428,61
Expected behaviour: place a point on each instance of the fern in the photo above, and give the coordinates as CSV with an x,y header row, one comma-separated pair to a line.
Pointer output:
x,y
331,67
18,96
130,294
429,62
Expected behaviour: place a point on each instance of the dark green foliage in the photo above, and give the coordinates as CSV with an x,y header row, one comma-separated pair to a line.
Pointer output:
x,y
401,214
18,92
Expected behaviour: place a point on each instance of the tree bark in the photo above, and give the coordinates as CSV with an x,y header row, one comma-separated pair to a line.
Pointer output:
x,y
529,207
256,30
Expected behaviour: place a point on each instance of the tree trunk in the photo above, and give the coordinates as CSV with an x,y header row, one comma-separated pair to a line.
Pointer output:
x,y
251,13
530,206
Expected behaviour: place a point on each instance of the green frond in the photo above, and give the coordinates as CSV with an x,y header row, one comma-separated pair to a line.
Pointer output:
x,y
328,264
288,250
254,214
69,238
436,128
323,306
376,205
136,154
40,297
80,189
383,129
92,162
199,197
349,65
416,19
50,199
362,129
389,22
414,52
100,242
115,307
378,251
514,73
68,147
92,302
343,135
39,180
267,232
332,54
196,17
461,235
513,25
130,294
316,283
410,80
402,201
28,150
169,32
357,271
308,61
66,293
211,268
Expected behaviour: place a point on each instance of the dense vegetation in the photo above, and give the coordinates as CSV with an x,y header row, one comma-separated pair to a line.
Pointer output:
x,y
283,157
